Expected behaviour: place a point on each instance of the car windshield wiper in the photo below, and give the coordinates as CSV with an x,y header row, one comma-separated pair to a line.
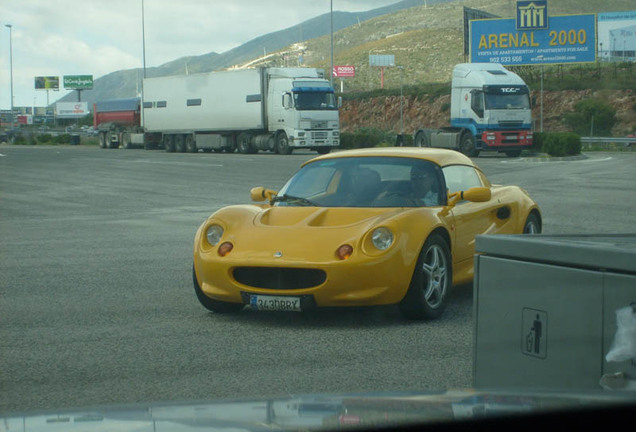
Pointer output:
x,y
288,198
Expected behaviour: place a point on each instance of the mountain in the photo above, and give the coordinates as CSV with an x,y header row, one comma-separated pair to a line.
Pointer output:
x,y
126,83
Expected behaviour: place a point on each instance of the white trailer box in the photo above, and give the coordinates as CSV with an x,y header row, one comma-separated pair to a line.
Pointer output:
x,y
214,102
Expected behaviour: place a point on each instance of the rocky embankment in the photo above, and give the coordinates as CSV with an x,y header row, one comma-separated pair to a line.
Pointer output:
x,y
384,112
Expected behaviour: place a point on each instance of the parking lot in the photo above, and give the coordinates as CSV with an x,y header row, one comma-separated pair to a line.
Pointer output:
x,y
97,300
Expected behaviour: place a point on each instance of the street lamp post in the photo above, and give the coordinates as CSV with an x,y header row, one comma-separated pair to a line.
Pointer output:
x,y
9,26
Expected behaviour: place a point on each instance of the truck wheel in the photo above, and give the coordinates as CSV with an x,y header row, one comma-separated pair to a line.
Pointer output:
x,y
125,140
190,144
168,143
179,144
243,143
420,140
282,144
102,140
467,145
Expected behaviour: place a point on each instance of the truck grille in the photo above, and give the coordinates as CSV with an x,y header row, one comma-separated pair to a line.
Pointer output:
x,y
514,124
279,277
319,135
319,124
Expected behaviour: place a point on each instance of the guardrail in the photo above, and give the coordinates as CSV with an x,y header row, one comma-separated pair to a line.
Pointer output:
x,y
609,143
600,140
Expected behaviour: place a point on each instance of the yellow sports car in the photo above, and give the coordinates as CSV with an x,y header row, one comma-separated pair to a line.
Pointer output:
x,y
357,228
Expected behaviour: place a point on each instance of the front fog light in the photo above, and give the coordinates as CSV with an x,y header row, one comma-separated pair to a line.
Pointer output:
x,y
382,238
214,234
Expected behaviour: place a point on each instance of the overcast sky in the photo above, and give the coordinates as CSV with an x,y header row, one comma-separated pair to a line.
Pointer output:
x,y
96,37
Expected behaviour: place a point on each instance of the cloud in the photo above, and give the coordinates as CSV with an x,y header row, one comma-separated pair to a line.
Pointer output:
x,y
70,37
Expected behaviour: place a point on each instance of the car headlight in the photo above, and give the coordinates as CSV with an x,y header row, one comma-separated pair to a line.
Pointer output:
x,y
382,238
214,234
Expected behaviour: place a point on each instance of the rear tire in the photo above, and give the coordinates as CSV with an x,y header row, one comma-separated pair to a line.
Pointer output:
x,y
168,143
243,143
427,295
190,144
179,144
213,305
420,140
532,225
125,140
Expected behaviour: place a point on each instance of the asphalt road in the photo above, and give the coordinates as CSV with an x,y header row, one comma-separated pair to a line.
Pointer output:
x,y
97,305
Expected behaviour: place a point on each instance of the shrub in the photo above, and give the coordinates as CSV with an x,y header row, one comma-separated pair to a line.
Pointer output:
x,y
62,139
538,138
591,116
561,144
44,138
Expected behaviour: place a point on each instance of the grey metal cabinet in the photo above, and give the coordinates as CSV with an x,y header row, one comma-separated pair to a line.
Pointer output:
x,y
545,309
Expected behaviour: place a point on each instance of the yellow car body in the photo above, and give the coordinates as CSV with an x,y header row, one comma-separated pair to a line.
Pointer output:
x,y
287,253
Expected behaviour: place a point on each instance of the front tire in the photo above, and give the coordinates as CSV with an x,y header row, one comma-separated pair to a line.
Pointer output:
x,y
216,306
282,144
432,278
467,145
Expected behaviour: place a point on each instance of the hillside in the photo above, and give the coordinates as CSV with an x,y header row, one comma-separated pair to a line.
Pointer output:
x,y
427,41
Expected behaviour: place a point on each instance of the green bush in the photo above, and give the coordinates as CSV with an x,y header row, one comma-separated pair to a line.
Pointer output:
x,y
591,117
62,139
538,138
44,138
561,144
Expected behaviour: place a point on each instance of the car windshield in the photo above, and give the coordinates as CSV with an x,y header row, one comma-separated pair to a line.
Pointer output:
x,y
314,100
503,101
365,182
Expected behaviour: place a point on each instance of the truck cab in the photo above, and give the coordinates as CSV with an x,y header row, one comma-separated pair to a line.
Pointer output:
x,y
490,110
302,110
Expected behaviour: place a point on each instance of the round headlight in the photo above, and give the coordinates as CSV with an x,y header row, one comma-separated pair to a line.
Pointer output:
x,y
214,234
382,238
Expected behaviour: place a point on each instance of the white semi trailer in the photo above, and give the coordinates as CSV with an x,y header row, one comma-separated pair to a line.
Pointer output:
x,y
490,110
272,109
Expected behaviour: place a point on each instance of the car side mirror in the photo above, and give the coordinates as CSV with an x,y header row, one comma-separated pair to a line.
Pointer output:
x,y
474,194
260,194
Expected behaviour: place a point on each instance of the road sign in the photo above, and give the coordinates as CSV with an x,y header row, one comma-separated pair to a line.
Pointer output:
x,y
344,71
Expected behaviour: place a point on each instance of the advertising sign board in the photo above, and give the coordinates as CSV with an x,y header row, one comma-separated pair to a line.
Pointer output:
x,y
47,83
71,109
617,36
78,82
344,71
378,60
568,39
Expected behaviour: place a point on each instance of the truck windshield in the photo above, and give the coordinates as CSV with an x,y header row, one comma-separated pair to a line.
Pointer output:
x,y
315,100
504,101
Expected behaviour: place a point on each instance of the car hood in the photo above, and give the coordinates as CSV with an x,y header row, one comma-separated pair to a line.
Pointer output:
x,y
323,216
330,412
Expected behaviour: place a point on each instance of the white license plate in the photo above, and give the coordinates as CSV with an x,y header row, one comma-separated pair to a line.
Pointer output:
x,y
275,303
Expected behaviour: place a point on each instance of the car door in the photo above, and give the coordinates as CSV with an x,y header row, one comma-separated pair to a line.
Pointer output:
x,y
469,218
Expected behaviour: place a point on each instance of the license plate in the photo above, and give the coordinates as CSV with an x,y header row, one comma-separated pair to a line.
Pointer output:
x,y
275,303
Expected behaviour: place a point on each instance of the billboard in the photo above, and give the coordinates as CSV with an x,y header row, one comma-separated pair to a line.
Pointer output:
x,y
71,109
566,39
47,83
344,71
78,82
469,15
617,36
386,60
